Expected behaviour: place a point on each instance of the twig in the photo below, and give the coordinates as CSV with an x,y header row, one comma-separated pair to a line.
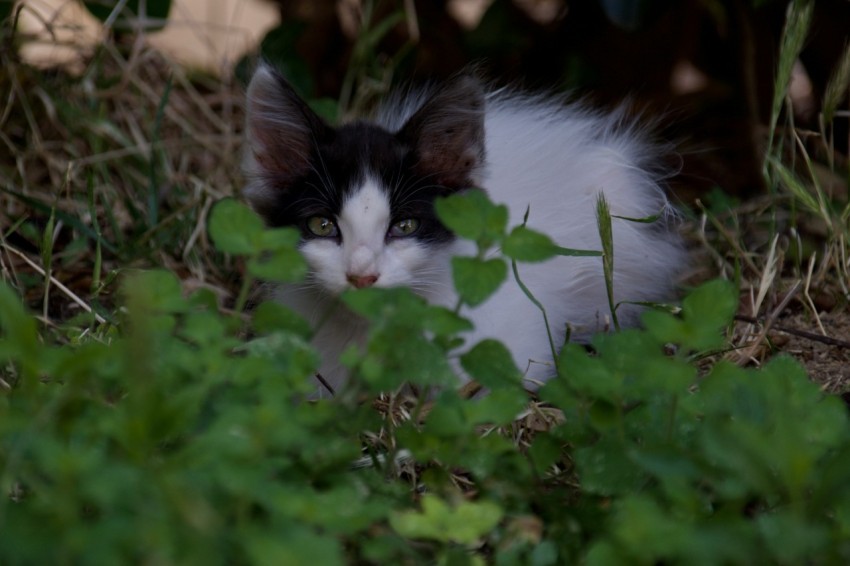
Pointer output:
x,y
809,302
801,333
774,314
325,384
470,389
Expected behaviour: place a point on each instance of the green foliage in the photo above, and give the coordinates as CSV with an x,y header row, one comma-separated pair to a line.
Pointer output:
x,y
606,235
172,438
703,311
271,254
793,38
464,524
473,216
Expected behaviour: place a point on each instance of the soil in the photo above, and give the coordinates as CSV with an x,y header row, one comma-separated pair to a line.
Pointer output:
x,y
828,364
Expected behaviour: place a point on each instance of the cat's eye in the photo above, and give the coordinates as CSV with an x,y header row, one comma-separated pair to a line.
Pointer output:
x,y
322,227
404,228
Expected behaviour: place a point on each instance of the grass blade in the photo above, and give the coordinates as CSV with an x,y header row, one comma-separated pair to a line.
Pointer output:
x,y
153,187
837,87
540,306
606,234
797,23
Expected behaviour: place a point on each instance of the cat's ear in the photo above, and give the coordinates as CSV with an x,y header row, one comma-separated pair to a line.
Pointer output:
x,y
447,133
281,132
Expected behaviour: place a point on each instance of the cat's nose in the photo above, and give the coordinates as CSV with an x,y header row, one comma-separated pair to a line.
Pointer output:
x,y
361,281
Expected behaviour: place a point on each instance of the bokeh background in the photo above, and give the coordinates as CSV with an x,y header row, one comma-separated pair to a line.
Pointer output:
x,y
702,69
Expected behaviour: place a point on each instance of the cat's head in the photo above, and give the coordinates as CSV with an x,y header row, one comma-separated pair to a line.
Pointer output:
x,y
362,196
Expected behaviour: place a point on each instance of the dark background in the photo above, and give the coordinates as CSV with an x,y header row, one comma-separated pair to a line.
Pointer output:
x,y
607,50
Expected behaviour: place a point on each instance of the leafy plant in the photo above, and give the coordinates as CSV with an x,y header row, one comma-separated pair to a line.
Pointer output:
x,y
169,429
171,437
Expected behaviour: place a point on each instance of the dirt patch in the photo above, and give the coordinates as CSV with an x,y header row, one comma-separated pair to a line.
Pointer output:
x,y
827,362
820,344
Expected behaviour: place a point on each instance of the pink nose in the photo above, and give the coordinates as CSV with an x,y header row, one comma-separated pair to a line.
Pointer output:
x,y
361,281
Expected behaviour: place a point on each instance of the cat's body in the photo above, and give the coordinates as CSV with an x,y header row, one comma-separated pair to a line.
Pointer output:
x,y
362,195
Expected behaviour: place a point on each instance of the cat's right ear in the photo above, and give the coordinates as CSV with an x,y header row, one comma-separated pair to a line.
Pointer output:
x,y
281,132
447,133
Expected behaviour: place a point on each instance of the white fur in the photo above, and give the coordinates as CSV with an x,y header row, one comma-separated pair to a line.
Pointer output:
x,y
540,154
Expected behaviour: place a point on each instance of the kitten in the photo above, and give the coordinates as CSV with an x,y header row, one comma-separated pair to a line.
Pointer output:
x,y
362,196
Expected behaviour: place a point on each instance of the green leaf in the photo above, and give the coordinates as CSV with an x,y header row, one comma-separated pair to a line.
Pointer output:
x,y
393,359
606,469
272,317
473,216
444,322
339,510
603,553
545,451
791,538
768,435
636,355
235,228
204,328
666,462
492,365
283,265
476,279
18,331
712,304
498,408
399,347
278,239
294,544
378,303
464,524
524,244
447,419
588,375
156,290
705,312
290,354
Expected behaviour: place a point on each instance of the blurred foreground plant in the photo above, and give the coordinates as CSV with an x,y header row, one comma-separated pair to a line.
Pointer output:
x,y
172,438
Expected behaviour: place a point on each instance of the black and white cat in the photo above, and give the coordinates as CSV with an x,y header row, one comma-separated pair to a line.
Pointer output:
x,y
362,196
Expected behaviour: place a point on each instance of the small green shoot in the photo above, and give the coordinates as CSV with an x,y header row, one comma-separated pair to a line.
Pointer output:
x,y
606,235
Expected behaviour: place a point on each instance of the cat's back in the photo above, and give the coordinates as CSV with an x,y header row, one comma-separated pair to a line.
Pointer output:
x,y
555,153
560,155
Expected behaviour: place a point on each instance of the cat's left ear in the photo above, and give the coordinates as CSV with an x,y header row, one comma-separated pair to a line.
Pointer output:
x,y
447,133
282,134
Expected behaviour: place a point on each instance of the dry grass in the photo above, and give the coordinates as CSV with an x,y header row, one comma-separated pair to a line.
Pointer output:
x,y
791,262
112,169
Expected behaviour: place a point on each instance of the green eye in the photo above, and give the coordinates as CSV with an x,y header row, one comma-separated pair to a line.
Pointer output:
x,y
404,228
322,227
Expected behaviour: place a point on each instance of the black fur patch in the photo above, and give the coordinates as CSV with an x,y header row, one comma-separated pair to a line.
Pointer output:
x,y
341,162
